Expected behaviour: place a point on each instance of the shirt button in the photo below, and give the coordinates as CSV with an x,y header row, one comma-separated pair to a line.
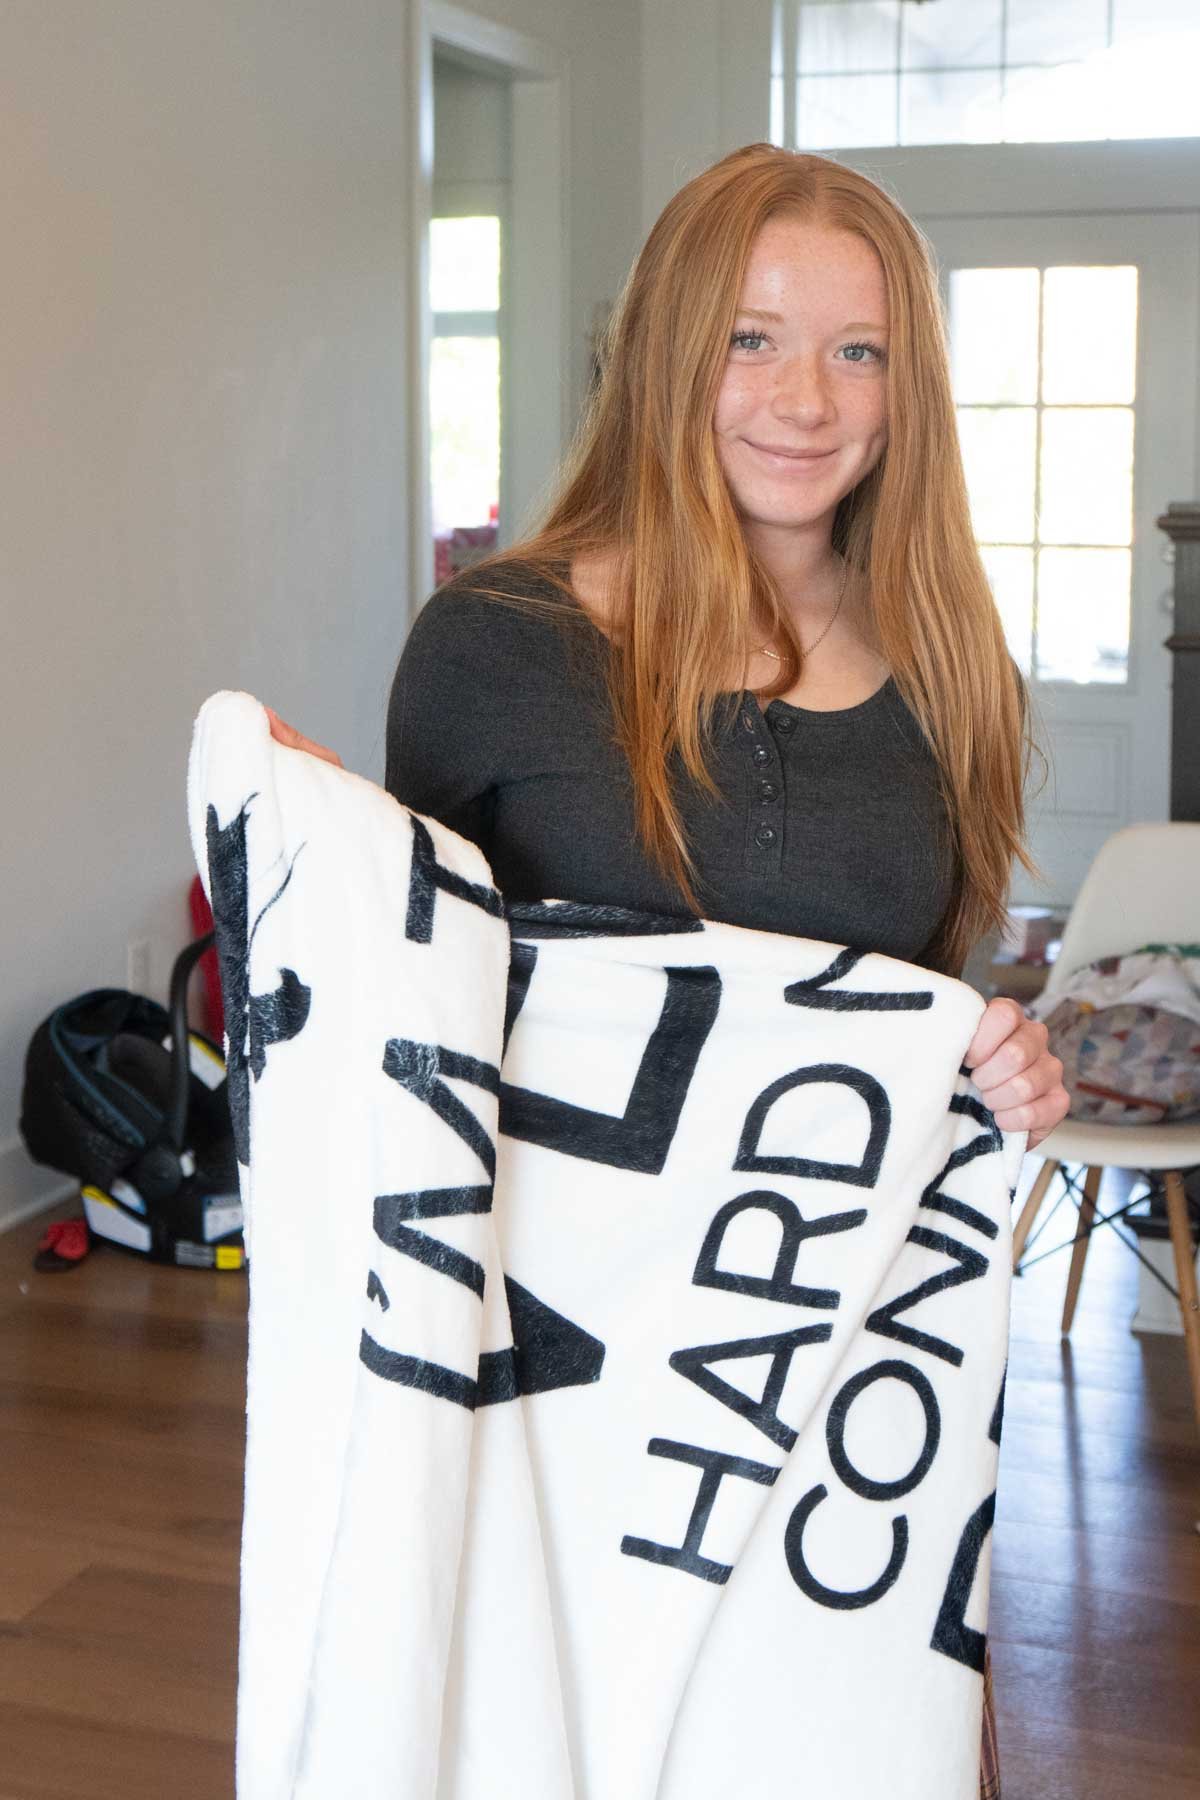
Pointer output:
x,y
761,754
767,790
784,722
764,836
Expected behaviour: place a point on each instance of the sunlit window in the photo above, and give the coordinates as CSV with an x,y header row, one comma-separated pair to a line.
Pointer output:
x,y
464,388
851,73
1043,369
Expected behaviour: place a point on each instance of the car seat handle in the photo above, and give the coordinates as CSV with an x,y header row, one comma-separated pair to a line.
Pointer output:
x,y
181,1064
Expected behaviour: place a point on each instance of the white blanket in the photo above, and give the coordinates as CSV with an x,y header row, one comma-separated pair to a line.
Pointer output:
x,y
627,1328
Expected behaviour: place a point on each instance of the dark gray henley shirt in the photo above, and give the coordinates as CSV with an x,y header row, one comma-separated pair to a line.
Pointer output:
x,y
830,824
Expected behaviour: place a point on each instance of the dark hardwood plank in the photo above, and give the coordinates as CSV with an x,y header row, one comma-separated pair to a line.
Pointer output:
x,y
48,1755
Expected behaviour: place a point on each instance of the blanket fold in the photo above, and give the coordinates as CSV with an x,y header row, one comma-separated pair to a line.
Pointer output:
x,y
628,1313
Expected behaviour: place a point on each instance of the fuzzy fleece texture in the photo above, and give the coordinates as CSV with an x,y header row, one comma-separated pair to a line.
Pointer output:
x,y
628,1319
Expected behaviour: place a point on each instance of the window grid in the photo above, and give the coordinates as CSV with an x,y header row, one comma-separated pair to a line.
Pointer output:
x,y
787,77
1034,544
1002,66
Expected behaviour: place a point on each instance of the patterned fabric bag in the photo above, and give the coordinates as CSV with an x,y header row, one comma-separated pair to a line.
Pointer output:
x,y
1127,1030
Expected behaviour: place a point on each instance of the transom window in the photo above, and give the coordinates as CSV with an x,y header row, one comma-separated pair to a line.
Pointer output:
x,y
851,73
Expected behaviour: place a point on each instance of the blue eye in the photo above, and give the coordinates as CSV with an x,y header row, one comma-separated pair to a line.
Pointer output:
x,y
875,349
751,341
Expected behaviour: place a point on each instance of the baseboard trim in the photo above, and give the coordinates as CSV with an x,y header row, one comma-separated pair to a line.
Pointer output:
x,y
25,1188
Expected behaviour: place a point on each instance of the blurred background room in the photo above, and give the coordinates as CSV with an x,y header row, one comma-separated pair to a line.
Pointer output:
x,y
302,301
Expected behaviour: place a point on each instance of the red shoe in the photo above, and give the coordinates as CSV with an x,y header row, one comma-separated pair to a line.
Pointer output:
x,y
62,1245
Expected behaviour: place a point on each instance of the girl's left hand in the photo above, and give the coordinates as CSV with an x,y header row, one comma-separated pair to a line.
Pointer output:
x,y
1018,1079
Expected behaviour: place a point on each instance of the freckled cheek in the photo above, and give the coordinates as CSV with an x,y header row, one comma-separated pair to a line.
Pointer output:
x,y
734,400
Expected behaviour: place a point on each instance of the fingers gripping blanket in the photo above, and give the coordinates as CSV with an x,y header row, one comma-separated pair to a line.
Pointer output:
x,y
628,1310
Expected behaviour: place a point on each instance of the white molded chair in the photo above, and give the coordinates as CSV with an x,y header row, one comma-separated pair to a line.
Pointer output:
x,y
1142,888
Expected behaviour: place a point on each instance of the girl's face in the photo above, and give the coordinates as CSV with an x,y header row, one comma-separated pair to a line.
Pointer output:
x,y
805,373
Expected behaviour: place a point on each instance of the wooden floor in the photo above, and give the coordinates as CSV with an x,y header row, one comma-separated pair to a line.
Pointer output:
x,y
121,1407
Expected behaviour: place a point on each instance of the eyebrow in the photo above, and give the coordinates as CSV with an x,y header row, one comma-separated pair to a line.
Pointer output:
x,y
760,312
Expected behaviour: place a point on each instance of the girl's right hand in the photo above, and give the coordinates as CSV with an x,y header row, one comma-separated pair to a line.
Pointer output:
x,y
294,740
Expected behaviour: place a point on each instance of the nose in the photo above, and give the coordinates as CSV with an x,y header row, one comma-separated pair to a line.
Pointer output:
x,y
802,392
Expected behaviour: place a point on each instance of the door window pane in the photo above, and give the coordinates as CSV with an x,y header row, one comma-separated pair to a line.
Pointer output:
x,y
464,389
1010,571
464,264
1089,335
1083,615
994,342
1087,475
464,401
998,458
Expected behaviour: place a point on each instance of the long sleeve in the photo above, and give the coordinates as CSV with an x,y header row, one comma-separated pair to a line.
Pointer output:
x,y
440,759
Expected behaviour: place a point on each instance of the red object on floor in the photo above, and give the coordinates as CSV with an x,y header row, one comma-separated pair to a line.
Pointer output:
x,y
62,1245
213,1021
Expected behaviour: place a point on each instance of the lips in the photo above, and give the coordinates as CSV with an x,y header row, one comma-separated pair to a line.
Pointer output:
x,y
790,455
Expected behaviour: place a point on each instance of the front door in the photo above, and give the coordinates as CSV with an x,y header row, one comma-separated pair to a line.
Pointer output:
x,y
1074,365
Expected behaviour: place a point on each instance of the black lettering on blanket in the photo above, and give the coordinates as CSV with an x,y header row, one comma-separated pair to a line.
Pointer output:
x,y
716,1466
870,1091
988,1141
592,919
762,1413
377,1291
814,991
838,1599
253,1022
969,1265
865,1486
522,961
424,1069
951,1633
393,1218
794,1230
427,876
417,1372
997,1424
549,1351
640,1138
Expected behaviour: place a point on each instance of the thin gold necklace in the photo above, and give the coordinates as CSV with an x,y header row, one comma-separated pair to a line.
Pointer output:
x,y
807,649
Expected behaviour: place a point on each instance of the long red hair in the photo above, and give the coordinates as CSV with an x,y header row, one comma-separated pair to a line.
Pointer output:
x,y
642,480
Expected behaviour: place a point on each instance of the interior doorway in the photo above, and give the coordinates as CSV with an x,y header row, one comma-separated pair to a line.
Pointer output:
x,y
488,301
469,251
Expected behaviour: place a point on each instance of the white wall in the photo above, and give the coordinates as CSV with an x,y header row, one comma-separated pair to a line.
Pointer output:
x,y
204,206
705,89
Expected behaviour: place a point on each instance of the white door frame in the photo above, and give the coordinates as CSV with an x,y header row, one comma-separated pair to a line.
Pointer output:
x,y
535,344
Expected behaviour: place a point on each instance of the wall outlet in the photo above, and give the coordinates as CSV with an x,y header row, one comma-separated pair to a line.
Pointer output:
x,y
137,965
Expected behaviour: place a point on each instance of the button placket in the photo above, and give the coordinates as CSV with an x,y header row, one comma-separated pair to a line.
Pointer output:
x,y
764,835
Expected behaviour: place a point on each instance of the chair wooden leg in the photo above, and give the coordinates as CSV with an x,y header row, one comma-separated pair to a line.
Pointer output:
x,y
1185,1275
1087,1212
1029,1211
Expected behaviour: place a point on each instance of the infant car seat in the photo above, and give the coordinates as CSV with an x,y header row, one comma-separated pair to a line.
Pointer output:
x,y
119,1092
